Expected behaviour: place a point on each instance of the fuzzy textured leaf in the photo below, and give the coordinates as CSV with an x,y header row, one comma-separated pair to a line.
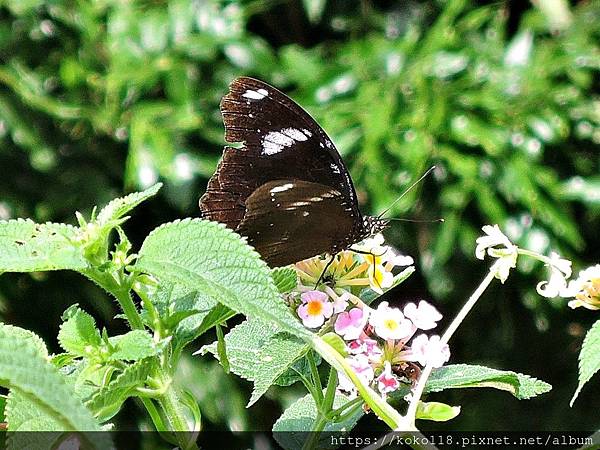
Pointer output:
x,y
108,400
78,332
261,353
467,376
285,279
27,371
589,358
295,424
212,259
132,346
118,207
28,246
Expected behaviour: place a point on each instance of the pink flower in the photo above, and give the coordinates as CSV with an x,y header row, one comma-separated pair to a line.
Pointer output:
x,y
424,349
366,346
390,323
350,324
423,316
315,308
387,381
341,303
362,368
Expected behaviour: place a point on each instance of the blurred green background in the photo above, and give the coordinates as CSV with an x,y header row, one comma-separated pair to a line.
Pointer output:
x,y
107,96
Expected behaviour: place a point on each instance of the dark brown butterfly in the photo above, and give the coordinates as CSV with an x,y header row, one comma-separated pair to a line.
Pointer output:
x,y
287,189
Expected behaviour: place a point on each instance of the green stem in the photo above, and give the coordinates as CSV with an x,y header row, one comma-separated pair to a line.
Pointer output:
x,y
350,412
378,405
330,391
123,296
411,413
310,388
340,411
154,415
121,291
314,371
315,434
175,415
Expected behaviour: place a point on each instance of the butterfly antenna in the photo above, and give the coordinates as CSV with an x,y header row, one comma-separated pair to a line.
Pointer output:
x,y
406,192
417,221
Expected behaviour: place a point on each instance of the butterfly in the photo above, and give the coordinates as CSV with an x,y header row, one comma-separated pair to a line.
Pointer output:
x,y
286,189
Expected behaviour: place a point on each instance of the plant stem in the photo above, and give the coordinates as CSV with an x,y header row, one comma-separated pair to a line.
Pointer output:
x,y
411,413
314,371
154,414
175,415
378,405
123,296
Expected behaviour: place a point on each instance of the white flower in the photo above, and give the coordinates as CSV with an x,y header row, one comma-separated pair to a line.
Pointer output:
x,y
560,270
390,323
497,245
585,289
341,303
424,350
423,316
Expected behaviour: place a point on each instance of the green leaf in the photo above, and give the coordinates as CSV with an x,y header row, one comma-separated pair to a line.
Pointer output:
x,y
436,411
295,424
27,371
468,376
210,258
260,352
188,312
118,207
78,334
336,342
28,247
285,279
108,400
132,346
589,358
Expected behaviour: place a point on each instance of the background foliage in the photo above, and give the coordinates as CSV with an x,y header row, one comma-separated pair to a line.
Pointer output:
x,y
101,97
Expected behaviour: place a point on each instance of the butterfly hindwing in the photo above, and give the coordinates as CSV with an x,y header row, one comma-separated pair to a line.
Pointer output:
x,y
290,220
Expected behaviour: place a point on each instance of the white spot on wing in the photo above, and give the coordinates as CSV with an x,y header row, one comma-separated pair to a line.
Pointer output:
x,y
276,141
283,187
334,167
295,134
306,132
255,95
305,213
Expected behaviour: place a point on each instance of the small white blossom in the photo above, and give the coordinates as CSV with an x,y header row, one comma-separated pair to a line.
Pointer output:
x,y
560,270
390,323
424,316
497,245
429,349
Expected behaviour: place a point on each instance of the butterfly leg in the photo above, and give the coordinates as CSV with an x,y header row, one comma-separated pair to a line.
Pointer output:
x,y
324,271
373,255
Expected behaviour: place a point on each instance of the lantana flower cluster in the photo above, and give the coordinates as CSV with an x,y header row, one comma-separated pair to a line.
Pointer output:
x,y
584,290
385,345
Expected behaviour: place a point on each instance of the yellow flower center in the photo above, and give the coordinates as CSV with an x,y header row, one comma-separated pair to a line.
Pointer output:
x,y
590,292
390,324
315,308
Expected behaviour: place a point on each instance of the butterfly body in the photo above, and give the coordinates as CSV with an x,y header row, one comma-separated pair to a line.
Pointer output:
x,y
287,189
